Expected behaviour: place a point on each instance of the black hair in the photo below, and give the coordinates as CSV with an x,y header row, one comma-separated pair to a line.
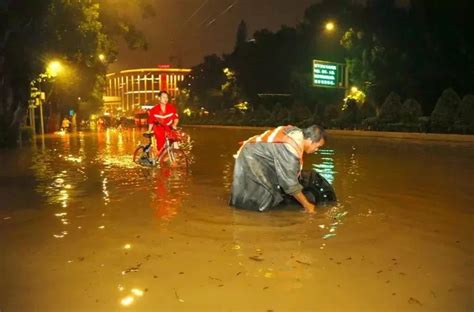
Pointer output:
x,y
161,92
315,133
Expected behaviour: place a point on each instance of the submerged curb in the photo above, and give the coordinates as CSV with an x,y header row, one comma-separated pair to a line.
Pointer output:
x,y
467,138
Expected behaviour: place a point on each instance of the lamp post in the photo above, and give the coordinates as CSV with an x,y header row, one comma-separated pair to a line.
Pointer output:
x,y
53,69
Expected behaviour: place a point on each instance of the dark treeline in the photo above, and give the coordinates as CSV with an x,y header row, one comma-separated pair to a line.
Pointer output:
x,y
413,66
80,35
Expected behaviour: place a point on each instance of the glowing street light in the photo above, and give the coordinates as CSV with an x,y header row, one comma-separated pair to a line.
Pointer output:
x,y
330,26
101,57
54,68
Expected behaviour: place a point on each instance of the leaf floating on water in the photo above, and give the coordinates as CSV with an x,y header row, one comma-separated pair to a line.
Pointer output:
x,y
256,258
329,236
301,262
215,278
132,269
177,297
414,301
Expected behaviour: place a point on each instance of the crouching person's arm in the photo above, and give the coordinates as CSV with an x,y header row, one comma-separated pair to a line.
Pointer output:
x,y
301,198
287,168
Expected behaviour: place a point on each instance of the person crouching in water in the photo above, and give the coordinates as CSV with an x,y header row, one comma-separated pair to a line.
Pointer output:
x,y
270,163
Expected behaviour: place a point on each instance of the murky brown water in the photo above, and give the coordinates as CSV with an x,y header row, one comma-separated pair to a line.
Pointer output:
x,y
82,228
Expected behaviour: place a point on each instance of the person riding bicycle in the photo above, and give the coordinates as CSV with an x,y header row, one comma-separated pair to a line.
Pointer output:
x,y
162,118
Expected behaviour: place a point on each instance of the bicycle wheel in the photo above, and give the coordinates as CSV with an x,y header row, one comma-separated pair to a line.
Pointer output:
x,y
143,158
174,158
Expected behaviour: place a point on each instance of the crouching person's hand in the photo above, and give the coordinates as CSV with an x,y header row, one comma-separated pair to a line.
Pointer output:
x,y
310,208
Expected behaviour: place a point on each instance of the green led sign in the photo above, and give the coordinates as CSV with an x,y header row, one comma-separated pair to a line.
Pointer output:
x,y
327,74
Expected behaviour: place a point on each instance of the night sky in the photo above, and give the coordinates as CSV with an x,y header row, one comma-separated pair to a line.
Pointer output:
x,y
174,30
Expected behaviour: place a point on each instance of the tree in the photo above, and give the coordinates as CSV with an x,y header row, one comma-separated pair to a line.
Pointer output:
x,y
410,111
241,35
445,111
205,82
74,31
465,115
390,110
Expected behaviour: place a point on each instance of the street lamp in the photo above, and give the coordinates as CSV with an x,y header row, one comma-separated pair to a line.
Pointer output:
x,y
54,68
330,26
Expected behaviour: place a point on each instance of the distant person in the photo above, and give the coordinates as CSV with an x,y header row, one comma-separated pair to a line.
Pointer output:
x,y
267,167
100,124
162,119
65,124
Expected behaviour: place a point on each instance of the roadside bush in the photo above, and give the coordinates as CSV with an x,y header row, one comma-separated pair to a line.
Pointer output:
x,y
445,111
410,111
465,116
390,109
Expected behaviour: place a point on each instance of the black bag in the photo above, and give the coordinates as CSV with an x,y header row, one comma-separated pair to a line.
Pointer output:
x,y
315,187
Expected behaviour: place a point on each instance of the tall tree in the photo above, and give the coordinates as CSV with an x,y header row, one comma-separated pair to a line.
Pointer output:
x,y
33,32
241,35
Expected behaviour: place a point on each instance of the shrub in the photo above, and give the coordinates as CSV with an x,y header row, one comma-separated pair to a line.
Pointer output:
x,y
445,111
390,109
410,111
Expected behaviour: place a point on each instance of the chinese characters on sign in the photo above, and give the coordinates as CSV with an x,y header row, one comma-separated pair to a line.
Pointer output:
x,y
329,75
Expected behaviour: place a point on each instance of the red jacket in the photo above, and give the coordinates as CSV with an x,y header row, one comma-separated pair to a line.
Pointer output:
x,y
166,118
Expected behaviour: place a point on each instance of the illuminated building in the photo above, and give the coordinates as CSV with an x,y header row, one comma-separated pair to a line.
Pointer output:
x,y
130,89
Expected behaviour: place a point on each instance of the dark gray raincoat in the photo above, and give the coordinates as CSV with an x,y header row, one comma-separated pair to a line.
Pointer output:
x,y
262,171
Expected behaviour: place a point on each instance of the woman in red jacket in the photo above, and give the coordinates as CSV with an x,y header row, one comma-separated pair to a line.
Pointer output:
x,y
163,118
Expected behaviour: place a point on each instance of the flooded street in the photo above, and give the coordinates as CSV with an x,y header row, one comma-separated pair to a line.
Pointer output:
x,y
83,228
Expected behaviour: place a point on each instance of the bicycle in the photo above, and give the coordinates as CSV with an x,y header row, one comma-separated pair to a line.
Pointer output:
x,y
170,155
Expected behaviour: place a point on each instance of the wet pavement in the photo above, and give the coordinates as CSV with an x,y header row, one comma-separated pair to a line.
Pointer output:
x,y
83,228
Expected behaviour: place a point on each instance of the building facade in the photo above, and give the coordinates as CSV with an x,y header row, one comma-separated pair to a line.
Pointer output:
x,y
128,90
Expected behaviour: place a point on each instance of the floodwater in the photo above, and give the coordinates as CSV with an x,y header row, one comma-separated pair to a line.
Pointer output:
x,y
82,228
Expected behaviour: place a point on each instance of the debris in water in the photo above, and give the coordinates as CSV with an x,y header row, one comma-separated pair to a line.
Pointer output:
x,y
132,269
215,278
301,262
414,301
256,258
329,236
177,296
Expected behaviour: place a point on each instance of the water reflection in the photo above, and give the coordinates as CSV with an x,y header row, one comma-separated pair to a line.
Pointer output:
x,y
326,167
168,192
